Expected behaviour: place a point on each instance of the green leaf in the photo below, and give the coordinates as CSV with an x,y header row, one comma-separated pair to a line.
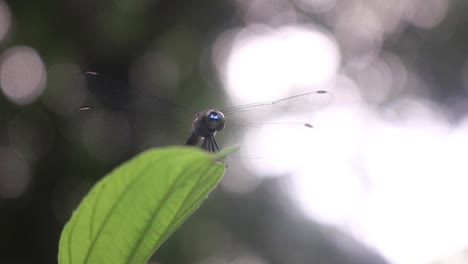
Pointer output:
x,y
129,213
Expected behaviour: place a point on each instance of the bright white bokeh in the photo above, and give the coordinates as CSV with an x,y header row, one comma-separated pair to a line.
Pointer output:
x,y
22,74
381,163
393,184
267,64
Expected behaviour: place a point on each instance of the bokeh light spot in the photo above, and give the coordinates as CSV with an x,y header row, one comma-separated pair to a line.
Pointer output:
x,y
359,30
265,64
428,13
249,259
15,173
22,74
105,134
316,6
32,135
5,20
269,12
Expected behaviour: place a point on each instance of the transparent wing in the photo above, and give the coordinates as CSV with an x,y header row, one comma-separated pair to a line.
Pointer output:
x,y
114,108
118,95
272,124
116,115
297,109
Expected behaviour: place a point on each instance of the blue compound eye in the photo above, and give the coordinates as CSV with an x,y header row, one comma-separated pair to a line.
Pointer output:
x,y
213,116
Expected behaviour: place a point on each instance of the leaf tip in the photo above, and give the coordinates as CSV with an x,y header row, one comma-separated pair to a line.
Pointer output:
x,y
225,152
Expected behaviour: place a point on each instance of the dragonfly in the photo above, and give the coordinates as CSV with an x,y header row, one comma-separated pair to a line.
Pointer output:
x,y
207,122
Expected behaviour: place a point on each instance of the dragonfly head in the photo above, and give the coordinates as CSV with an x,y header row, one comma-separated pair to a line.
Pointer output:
x,y
210,121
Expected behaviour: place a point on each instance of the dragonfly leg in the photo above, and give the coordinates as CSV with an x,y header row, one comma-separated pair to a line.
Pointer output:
x,y
215,144
211,145
204,145
208,144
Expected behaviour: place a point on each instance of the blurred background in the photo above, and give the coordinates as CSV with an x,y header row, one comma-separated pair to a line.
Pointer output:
x,y
382,177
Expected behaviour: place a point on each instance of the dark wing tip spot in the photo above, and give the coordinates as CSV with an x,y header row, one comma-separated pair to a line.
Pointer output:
x,y
308,125
322,92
